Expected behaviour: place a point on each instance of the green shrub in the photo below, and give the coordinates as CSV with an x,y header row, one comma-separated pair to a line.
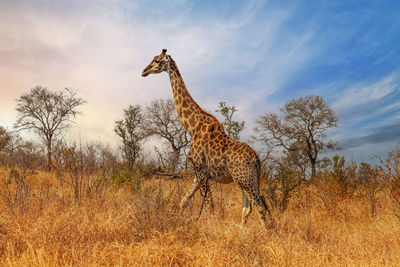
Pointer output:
x,y
126,178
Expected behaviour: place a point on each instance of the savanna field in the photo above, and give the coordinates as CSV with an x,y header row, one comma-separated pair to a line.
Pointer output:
x,y
44,221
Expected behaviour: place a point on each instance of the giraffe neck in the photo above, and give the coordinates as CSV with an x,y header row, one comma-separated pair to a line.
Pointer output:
x,y
190,113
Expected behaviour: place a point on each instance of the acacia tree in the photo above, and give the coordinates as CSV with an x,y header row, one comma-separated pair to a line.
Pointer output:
x,y
47,113
231,127
128,129
301,127
162,120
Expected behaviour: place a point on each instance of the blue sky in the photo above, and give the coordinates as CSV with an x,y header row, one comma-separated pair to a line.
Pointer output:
x,y
255,55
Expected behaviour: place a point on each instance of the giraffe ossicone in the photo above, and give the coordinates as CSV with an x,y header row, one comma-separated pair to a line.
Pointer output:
x,y
213,154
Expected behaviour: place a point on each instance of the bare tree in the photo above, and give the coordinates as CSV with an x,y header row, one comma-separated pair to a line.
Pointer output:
x,y
9,142
27,157
85,168
129,130
231,127
301,127
5,138
162,120
47,113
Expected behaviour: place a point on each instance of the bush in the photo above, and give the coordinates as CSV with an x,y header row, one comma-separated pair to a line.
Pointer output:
x,y
126,178
145,168
389,171
344,176
281,186
17,188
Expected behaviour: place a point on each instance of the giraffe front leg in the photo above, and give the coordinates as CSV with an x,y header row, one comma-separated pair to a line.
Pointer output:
x,y
195,186
205,191
208,199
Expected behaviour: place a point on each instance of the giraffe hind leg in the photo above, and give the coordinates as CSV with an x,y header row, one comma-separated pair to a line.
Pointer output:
x,y
246,208
249,183
258,203
266,207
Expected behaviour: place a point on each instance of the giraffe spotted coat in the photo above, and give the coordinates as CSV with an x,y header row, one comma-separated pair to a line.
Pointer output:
x,y
214,155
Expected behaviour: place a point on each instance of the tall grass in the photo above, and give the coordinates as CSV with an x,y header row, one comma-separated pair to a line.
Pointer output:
x,y
123,227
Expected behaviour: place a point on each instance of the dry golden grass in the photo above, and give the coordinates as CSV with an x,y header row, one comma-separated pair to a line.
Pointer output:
x,y
123,228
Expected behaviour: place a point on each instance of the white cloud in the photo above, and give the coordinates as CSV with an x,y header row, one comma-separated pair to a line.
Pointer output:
x,y
364,97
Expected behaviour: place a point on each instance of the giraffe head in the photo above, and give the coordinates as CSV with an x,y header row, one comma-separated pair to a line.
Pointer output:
x,y
159,64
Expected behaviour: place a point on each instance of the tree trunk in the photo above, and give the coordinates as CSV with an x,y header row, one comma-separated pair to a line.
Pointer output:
x,y
174,158
313,171
49,155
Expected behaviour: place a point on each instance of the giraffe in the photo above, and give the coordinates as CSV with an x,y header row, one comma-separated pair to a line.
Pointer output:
x,y
214,156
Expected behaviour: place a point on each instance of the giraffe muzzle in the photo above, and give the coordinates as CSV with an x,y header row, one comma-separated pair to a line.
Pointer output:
x,y
146,71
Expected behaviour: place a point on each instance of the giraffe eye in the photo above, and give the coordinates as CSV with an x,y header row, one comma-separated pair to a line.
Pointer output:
x,y
157,61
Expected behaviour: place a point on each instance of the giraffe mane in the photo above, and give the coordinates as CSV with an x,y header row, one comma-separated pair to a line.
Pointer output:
x,y
175,67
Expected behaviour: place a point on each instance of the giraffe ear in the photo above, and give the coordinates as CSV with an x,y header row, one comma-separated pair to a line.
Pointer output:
x,y
164,51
